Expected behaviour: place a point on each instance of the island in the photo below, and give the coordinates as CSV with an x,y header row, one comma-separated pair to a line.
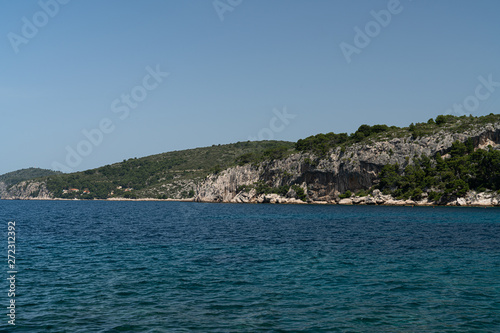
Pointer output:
x,y
448,160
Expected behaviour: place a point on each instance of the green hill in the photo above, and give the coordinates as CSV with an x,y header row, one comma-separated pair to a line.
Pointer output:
x,y
168,175
18,176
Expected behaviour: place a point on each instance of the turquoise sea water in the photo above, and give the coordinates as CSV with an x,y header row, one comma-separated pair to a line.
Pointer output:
x,y
179,267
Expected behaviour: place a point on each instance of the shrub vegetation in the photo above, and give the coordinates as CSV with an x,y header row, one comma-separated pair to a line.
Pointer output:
x,y
444,178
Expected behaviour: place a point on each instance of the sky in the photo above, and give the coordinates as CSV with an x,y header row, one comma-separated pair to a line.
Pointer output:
x,y
89,83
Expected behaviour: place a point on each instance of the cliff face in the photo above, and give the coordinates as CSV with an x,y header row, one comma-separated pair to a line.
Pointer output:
x,y
3,190
25,190
323,179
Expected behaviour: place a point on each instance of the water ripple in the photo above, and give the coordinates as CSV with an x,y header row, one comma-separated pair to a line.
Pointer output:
x,y
179,267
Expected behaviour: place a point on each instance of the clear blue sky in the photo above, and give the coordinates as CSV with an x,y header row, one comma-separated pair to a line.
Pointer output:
x,y
227,76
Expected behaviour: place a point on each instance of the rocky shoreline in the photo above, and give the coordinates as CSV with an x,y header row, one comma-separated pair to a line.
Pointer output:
x,y
472,199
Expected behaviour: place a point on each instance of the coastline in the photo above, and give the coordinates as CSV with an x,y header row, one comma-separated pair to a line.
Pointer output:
x,y
276,200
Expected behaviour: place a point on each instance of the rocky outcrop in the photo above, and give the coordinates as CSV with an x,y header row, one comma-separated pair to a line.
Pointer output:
x,y
3,189
472,198
273,198
354,168
27,190
223,187
481,199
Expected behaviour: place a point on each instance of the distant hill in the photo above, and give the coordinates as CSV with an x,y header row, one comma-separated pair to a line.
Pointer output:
x,y
18,176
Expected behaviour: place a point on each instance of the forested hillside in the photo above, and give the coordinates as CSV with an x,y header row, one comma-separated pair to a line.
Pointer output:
x,y
169,175
18,176
464,168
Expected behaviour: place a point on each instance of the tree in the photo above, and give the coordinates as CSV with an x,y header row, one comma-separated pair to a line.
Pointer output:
x,y
275,153
440,120
389,176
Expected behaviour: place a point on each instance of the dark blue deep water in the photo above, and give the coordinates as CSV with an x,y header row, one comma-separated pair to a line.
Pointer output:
x,y
179,267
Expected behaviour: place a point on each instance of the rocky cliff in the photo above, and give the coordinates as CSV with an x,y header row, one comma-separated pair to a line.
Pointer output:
x,y
353,168
26,190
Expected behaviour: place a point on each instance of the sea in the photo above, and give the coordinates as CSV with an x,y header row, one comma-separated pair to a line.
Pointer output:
x,y
98,266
